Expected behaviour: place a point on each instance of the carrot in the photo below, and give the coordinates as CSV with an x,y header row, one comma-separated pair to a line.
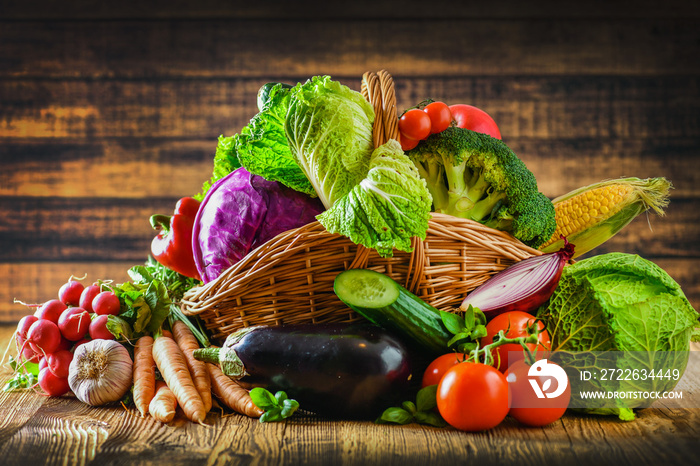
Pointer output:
x,y
167,333
231,394
172,366
198,369
144,374
163,405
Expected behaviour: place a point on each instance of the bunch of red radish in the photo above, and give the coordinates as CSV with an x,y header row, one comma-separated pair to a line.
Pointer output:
x,y
50,335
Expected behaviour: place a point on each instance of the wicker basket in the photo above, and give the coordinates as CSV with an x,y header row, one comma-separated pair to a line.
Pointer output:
x,y
289,279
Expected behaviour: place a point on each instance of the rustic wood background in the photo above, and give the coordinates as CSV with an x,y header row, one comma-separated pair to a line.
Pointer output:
x,y
110,113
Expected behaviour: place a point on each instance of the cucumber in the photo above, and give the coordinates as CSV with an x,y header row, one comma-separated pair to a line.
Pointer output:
x,y
384,302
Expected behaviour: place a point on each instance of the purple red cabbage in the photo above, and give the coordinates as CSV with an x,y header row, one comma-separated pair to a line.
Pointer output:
x,y
241,212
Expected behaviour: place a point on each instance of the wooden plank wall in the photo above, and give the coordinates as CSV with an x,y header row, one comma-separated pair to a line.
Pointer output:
x,y
110,112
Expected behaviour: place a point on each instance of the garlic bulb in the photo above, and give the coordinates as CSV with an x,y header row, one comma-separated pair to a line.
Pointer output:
x,y
101,372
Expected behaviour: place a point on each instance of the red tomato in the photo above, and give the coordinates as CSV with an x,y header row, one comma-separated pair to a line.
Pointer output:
x,y
514,324
473,397
475,119
438,367
526,407
406,143
415,124
440,116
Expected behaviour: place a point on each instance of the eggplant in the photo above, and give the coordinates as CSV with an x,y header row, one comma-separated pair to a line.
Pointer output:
x,y
341,370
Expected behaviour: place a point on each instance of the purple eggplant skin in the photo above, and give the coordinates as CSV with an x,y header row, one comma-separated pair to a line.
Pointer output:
x,y
351,371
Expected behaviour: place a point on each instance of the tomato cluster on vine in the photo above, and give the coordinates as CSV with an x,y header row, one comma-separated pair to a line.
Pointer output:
x,y
416,124
474,396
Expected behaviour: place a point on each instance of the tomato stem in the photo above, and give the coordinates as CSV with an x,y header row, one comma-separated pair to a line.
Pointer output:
x,y
500,340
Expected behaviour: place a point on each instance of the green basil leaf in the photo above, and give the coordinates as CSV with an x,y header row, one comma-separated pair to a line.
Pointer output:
x,y
426,398
395,416
409,406
461,336
466,347
271,416
479,332
280,397
289,407
263,399
480,316
453,322
469,318
430,418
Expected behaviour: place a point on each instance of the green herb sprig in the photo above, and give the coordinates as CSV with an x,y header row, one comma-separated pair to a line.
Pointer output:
x,y
277,407
422,411
467,330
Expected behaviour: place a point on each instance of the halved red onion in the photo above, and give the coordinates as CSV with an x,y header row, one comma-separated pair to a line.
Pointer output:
x,y
524,286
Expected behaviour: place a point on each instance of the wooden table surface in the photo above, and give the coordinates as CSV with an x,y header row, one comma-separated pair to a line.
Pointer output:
x,y
35,429
110,112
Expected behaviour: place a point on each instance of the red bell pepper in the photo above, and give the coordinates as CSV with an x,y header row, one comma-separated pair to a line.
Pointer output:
x,y
172,247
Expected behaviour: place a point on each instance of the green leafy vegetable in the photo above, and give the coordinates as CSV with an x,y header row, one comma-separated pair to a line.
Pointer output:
x,y
621,303
329,130
262,146
422,411
176,283
317,138
119,327
146,299
467,330
24,375
277,407
385,209
149,299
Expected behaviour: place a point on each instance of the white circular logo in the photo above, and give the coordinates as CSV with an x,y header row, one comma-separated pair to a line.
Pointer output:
x,y
542,368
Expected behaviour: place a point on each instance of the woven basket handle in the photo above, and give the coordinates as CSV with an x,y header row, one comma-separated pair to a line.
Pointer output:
x,y
378,90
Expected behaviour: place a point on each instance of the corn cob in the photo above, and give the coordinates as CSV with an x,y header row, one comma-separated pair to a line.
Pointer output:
x,y
593,214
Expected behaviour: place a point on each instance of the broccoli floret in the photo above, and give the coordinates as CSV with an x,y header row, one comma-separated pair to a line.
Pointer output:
x,y
472,175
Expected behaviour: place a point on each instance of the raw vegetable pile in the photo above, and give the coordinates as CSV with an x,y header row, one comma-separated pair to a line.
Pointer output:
x,y
308,155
